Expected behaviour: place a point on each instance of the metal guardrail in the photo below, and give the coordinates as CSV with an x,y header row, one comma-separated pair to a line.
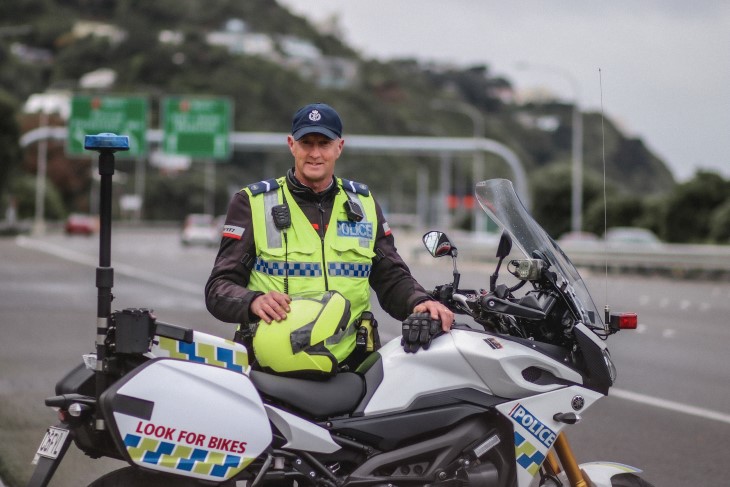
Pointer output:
x,y
711,262
681,261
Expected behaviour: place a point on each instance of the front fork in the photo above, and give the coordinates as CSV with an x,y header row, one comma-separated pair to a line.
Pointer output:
x,y
567,460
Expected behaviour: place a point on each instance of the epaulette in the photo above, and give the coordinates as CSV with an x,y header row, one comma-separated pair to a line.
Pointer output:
x,y
355,187
263,186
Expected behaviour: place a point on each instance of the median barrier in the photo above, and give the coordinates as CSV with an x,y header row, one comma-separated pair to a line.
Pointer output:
x,y
711,262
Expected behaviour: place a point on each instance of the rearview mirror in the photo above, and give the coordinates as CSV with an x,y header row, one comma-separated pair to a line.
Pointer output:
x,y
438,244
505,246
503,250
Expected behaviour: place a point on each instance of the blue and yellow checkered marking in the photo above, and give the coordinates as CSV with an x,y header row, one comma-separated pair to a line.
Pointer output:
x,y
311,269
206,353
347,269
184,458
295,269
527,455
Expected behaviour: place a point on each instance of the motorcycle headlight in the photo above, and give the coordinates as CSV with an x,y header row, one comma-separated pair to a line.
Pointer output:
x,y
609,365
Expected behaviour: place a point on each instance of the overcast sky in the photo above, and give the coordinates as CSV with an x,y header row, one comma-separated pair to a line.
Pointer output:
x,y
664,64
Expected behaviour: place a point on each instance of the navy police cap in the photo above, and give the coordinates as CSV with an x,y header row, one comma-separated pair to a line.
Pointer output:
x,y
318,118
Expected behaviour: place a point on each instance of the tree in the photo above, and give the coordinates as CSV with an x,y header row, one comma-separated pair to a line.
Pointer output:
x,y
551,189
10,154
720,223
619,210
23,189
687,213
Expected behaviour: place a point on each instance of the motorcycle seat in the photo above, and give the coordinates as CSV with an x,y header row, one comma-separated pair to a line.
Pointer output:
x,y
318,398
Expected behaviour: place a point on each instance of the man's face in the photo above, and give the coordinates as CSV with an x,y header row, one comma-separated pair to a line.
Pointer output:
x,y
314,159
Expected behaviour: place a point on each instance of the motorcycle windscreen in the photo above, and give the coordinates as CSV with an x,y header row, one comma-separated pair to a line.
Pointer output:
x,y
187,418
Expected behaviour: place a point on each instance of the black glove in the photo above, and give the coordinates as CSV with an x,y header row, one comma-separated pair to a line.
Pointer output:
x,y
418,331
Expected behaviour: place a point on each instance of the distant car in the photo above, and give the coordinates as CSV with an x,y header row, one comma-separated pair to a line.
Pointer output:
x,y
578,239
200,229
81,224
218,223
631,237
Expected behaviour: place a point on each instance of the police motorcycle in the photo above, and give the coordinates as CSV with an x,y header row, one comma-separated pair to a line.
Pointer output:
x,y
483,405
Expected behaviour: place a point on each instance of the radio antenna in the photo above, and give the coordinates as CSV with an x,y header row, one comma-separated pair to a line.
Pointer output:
x,y
607,310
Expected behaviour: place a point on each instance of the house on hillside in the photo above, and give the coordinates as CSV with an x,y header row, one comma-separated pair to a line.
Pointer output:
x,y
86,28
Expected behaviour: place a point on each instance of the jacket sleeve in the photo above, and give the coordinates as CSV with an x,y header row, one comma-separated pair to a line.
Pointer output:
x,y
226,295
397,290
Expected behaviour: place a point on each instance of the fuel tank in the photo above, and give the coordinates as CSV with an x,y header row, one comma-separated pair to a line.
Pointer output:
x,y
464,359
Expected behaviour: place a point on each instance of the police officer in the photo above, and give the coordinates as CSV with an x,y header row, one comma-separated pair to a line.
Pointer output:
x,y
311,231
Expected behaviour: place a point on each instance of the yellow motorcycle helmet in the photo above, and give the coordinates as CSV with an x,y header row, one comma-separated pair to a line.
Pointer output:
x,y
310,340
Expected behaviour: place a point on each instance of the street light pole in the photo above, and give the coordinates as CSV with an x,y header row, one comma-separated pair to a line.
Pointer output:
x,y
576,220
39,221
576,197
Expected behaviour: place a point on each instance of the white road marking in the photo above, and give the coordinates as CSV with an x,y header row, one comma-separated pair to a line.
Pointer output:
x,y
122,269
668,333
677,407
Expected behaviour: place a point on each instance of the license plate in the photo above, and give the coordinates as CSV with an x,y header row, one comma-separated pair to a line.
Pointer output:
x,y
52,442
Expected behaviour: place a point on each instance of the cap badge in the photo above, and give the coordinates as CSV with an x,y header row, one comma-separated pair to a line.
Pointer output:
x,y
315,116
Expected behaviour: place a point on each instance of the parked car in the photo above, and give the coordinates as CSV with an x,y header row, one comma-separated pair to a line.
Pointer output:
x,y
219,222
200,229
631,237
81,224
580,240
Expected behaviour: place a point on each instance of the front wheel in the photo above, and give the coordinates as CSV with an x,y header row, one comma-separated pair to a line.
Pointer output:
x,y
135,477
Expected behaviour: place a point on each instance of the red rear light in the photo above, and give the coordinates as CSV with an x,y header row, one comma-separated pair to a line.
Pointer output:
x,y
63,416
624,321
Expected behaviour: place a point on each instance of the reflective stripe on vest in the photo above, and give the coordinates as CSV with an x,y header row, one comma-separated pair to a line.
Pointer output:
x,y
312,269
347,269
307,269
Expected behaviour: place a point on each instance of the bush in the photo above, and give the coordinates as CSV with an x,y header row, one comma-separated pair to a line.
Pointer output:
x,y
23,189
551,189
688,209
720,224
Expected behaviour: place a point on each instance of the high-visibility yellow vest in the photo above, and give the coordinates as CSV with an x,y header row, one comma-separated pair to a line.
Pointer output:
x,y
341,261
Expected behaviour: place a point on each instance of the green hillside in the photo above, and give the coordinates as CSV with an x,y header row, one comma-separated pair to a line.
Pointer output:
x,y
167,47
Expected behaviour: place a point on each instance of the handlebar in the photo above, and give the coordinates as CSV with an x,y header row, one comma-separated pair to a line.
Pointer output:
x,y
521,309
477,304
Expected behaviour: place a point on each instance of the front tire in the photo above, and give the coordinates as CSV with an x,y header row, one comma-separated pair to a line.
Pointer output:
x,y
135,477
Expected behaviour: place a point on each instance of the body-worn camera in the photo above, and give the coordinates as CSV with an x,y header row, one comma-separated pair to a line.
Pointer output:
x,y
353,211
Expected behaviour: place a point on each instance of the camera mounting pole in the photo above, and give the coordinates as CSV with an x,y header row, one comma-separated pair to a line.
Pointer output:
x,y
106,145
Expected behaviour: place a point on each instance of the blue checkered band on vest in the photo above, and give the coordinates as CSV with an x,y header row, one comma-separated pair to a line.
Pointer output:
x,y
348,270
296,269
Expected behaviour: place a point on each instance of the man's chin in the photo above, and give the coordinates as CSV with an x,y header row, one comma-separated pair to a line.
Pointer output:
x,y
315,179
316,176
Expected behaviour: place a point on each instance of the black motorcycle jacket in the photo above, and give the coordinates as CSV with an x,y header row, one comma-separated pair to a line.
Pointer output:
x,y
227,297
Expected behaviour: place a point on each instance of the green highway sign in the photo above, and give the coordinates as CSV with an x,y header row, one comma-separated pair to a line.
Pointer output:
x,y
121,115
197,127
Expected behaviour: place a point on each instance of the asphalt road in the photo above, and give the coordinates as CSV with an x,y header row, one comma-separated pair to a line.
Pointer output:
x,y
668,414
